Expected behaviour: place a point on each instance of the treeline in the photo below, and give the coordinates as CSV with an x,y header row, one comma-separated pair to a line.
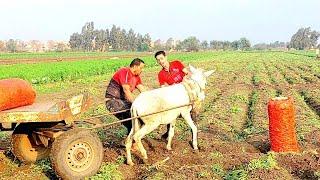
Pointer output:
x,y
271,46
102,40
118,39
193,44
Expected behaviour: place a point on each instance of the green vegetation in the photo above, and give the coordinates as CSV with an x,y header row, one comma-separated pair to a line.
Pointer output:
x,y
218,170
108,171
267,162
236,175
43,73
57,55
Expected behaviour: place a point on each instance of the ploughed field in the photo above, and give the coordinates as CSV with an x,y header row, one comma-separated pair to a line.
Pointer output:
x,y
233,127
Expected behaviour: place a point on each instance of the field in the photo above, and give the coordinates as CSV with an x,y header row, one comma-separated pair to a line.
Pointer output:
x,y
233,126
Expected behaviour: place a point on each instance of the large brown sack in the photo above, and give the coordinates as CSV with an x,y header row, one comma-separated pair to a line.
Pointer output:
x,y
15,93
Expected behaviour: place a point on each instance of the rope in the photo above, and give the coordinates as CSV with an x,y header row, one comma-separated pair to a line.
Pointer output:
x,y
129,119
193,96
104,114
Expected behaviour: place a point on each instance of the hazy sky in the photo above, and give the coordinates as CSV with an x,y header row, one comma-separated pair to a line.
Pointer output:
x,y
258,20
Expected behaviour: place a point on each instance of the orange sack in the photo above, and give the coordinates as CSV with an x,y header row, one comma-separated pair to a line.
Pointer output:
x,y
15,93
282,125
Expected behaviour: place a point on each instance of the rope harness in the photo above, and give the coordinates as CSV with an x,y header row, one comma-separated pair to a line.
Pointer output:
x,y
191,88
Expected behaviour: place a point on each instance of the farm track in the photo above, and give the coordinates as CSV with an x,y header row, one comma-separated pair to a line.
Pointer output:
x,y
65,59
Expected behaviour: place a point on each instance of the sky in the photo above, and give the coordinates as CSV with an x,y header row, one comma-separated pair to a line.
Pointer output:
x,y
258,20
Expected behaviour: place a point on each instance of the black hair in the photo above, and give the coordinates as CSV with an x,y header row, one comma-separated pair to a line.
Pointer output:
x,y
160,52
136,62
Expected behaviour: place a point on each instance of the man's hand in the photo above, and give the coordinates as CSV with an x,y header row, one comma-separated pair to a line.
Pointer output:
x,y
186,71
142,88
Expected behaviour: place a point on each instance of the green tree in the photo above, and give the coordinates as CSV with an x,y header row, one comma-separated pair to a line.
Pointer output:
x,y
217,45
100,40
146,42
179,46
191,44
235,45
226,45
75,41
114,38
214,44
158,45
131,40
11,45
87,36
169,44
60,47
139,41
123,39
204,45
244,44
304,38
314,35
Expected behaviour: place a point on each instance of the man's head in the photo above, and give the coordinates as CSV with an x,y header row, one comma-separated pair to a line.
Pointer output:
x,y
136,66
162,59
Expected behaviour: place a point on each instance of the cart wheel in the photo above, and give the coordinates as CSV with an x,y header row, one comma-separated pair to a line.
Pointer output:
x,y
76,154
24,147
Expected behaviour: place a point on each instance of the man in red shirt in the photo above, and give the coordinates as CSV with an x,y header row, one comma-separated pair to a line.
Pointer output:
x,y
119,91
171,73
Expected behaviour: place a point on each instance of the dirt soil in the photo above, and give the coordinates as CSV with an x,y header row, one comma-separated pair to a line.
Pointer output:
x,y
185,163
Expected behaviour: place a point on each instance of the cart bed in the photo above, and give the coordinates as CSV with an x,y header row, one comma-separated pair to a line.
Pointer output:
x,y
35,107
47,111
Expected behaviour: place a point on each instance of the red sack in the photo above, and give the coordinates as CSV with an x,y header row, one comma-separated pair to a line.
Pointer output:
x,y
282,125
15,93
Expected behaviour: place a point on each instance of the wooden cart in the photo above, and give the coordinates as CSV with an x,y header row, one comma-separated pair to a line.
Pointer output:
x,y
47,129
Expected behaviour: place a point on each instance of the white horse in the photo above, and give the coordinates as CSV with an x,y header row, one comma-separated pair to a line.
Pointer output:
x,y
190,90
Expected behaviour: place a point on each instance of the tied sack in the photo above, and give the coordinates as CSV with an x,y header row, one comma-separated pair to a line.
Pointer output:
x,y
15,93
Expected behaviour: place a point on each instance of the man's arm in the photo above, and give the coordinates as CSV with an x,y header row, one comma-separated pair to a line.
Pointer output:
x,y
186,71
127,92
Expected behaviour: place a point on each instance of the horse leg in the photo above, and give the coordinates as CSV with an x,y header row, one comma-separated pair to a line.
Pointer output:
x,y
128,147
146,129
187,117
171,134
